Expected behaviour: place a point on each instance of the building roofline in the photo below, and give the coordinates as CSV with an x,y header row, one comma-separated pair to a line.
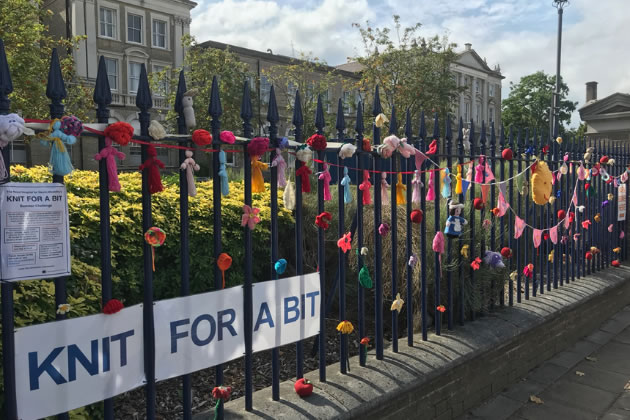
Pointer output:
x,y
485,66
270,56
600,101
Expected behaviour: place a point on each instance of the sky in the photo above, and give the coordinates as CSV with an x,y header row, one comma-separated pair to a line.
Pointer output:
x,y
520,35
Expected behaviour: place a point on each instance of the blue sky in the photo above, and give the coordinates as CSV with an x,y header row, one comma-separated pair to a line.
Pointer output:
x,y
520,35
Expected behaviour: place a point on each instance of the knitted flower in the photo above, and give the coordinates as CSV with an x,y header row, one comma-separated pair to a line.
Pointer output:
x,y
63,308
365,145
397,304
317,142
476,263
345,242
258,146
71,125
112,307
364,251
441,308
345,327
323,220
250,217
383,229
121,132
227,137
464,251
617,250
380,120
201,137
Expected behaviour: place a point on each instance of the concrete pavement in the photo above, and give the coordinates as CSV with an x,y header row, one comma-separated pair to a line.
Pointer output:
x,y
590,381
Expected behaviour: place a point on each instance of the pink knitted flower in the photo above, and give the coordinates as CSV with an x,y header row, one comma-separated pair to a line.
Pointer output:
x,y
227,137
258,146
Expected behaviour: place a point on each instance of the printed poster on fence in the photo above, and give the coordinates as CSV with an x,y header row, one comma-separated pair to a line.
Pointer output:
x,y
68,364
35,242
200,331
621,202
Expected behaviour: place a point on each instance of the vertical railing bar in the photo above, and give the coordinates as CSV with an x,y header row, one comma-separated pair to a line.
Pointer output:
x,y
510,217
482,213
393,128
423,233
361,259
436,223
409,231
472,216
449,241
493,140
524,238
343,338
144,103
460,240
378,246
246,116
6,288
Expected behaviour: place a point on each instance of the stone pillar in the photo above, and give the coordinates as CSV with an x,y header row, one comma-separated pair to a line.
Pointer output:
x,y
91,26
78,28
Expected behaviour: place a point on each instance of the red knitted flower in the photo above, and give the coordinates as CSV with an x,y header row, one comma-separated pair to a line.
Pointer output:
x,y
120,132
113,306
201,137
416,216
478,204
258,146
317,142
615,263
367,147
506,252
323,219
222,393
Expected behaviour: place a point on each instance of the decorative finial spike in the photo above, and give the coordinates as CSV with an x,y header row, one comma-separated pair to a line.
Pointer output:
x,y
408,127
56,88
272,108
298,117
376,108
436,127
181,89
358,125
341,121
143,96
320,123
393,123
215,109
246,103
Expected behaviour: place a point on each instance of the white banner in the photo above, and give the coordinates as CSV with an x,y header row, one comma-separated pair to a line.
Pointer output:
x,y
35,238
68,364
285,311
200,331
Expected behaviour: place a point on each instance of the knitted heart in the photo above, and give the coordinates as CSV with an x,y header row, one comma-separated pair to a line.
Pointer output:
x,y
113,306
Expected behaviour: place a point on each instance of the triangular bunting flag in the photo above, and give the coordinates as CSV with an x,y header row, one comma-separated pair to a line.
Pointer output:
x,y
536,237
519,226
553,234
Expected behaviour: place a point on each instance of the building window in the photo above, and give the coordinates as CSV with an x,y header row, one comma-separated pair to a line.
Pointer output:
x,y
134,28
159,33
111,65
347,103
466,112
477,89
160,80
107,21
291,90
491,89
478,113
265,89
134,76
466,81
326,100
491,114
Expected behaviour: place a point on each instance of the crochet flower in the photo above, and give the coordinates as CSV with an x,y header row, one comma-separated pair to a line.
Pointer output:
x,y
397,304
615,263
258,146
413,260
222,393
476,263
365,145
323,220
317,142
441,308
364,341
250,217
120,132
63,308
112,307
201,137
227,137
506,252
383,229
345,242
380,120
345,327
586,224
364,251
528,271
617,250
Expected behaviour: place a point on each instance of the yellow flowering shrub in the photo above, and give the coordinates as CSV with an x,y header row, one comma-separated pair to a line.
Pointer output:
x,y
127,238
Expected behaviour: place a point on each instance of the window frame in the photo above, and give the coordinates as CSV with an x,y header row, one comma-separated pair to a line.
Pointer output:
x,y
117,62
264,92
491,90
130,62
140,14
114,23
165,21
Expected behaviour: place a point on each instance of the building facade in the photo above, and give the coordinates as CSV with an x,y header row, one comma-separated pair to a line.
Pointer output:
x,y
607,118
127,33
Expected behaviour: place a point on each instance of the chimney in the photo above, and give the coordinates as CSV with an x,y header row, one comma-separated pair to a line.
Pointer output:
x,y
591,91
468,46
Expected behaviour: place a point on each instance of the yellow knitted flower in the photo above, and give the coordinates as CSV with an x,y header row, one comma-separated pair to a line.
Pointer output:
x,y
464,251
345,327
380,120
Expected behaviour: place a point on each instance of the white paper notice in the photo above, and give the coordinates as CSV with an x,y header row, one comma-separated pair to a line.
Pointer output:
x,y
621,202
35,242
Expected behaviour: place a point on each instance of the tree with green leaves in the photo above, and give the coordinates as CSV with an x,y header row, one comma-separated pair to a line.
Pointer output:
x,y
28,46
201,65
311,77
529,102
411,71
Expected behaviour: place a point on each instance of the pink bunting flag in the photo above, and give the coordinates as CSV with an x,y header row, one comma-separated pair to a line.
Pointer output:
x,y
553,234
420,158
537,237
574,198
484,193
519,226
502,203
489,174
566,222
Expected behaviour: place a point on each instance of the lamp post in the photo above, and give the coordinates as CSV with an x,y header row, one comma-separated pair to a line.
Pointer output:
x,y
560,5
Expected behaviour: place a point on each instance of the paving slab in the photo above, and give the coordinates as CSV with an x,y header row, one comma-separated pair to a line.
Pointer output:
x,y
498,408
597,377
614,357
523,389
579,396
551,410
547,373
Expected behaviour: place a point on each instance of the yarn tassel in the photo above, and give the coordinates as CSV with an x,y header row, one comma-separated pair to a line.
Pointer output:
x,y
109,153
400,191
384,187
258,182
446,187
458,179
152,164
281,164
346,182
289,196
325,176
365,188
225,185
153,257
416,183
430,190
304,172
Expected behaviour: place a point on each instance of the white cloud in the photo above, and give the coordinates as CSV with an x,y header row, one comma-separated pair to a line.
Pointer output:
x,y
519,35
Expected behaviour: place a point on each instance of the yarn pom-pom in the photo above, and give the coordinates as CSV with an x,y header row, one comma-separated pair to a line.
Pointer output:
x,y
71,125
120,132
478,204
113,306
201,137
258,146
317,142
416,216
227,137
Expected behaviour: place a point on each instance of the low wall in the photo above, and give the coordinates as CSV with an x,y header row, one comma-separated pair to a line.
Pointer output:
x,y
449,374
